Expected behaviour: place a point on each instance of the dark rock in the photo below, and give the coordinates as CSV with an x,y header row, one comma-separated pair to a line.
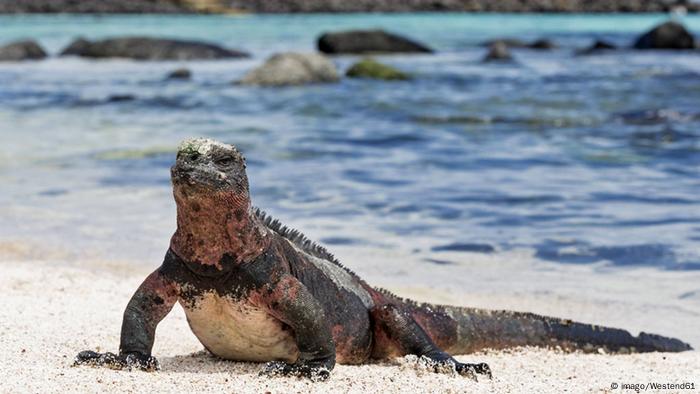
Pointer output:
x,y
669,35
370,68
180,73
518,43
146,48
600,44
78,47
291,68
498,53
597,47
368,41
118,98
21,50
508,42
544,44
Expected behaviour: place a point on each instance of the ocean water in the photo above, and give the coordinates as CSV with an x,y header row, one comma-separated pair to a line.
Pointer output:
x,y
576,159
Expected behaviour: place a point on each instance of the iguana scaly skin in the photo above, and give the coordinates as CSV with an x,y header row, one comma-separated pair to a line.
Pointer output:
x,y
254,290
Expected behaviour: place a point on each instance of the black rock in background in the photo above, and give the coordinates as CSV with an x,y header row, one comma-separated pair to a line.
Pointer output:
x,y
498,53
516,43
22,50
368,41
668,35
146,48
599,46
180,73
543,44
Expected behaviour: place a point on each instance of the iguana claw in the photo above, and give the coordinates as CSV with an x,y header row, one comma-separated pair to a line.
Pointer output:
x,y
126,361
317,373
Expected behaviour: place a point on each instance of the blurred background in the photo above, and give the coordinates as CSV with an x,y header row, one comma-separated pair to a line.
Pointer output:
x,y
563,167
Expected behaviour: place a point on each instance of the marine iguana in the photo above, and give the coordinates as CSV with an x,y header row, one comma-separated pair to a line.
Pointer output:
x,y
254,290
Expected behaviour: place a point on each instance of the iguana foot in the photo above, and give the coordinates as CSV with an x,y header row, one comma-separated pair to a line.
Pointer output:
x,y
472,370
451,365
313,371
126,361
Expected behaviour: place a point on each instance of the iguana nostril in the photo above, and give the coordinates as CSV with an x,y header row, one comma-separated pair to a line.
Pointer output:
x,y
194,156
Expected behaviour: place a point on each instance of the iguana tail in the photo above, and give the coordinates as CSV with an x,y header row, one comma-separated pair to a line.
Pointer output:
x,y
466,330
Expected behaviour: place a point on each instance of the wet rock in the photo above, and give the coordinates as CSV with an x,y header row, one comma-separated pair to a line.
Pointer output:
x,y
669,35
543,44
292,68
146,48
370,68
119,98
22,50
508,42
368,41
79,47
498,53
180,73
512,43
598,46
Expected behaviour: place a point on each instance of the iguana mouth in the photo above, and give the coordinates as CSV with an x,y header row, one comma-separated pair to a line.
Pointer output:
x,y
191,180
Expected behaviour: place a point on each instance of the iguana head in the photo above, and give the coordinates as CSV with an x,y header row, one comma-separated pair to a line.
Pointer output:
x,y
205,166
214,222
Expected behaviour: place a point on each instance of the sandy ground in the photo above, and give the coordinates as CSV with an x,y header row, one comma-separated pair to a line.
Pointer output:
x,y
52,311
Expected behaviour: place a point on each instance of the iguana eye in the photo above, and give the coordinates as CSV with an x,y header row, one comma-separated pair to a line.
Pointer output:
x,y
224,162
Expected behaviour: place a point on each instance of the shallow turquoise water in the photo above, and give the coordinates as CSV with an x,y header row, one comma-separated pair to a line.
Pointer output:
x,y
264,33
579,159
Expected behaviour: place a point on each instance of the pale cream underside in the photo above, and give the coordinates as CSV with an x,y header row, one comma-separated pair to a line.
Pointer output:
x,y
237,330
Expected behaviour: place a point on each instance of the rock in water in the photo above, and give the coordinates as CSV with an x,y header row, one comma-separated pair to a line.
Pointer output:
x,y
498,53
180,73
22,50
120,98
602,45
669,35
509,42
598,46
368,41
543,44
292,68
370,68
146,48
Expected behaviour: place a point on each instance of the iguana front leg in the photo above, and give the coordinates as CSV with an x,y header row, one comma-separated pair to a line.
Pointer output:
x,y
292,303
404,333
149,305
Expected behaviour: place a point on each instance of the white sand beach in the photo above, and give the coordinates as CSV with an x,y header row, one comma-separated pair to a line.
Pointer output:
x,y
52,311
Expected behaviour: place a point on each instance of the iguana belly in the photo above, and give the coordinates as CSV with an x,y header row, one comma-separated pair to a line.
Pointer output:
x,y
237,330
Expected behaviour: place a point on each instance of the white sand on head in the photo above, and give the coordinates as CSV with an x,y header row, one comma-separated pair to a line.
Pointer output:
x,y
51,312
